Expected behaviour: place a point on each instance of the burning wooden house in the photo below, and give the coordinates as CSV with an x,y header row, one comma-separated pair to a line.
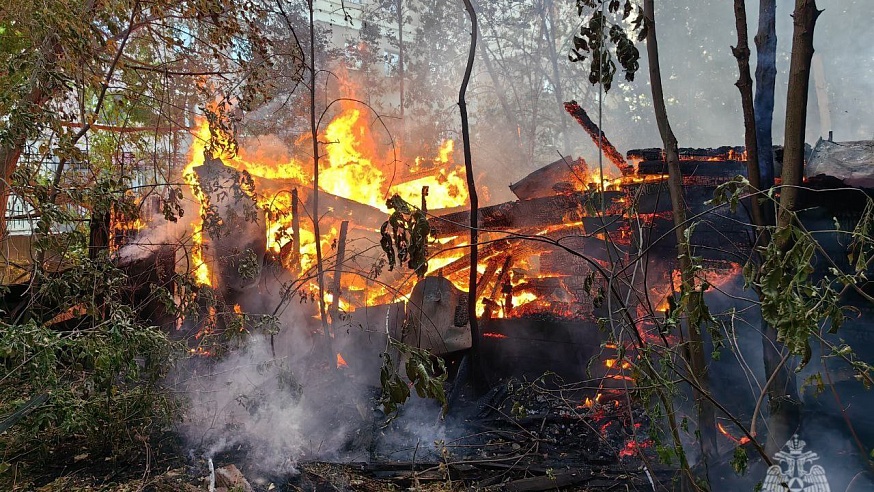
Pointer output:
x,y
551,262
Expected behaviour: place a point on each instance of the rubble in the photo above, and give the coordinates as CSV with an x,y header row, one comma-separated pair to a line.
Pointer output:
x,y
229,478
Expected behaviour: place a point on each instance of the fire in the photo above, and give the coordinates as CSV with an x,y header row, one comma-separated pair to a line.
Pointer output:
x,y
443,258
447,189
341,362
199,351
195,158
590,403
610,363
341,304
743,440
490,334
355,165
633,447
350,172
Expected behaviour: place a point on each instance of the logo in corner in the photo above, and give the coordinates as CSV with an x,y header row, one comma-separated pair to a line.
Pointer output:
x,y
797,472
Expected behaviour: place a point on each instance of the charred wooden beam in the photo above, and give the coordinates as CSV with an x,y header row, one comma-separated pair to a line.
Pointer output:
x,y
486,277
598,137
563,176
334,206
539,212
338,271
697,167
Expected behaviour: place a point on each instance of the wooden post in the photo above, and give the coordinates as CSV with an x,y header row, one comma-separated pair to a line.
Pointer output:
x,y
424,200
295,231
341,257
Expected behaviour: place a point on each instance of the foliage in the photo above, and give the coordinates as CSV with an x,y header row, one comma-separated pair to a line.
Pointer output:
x,y
408,240
99,366
425,372
599,29
794,300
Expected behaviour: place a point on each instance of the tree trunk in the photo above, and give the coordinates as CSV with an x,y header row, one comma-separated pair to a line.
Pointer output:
x,y
697,364
338,275
320,268
478,377
401,73
766,74
782,392
745,86
804,17
499,87
783,402
548,31
99,227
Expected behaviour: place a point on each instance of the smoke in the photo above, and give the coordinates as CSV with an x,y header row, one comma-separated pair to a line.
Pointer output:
x,y
161,232
271,403
248,399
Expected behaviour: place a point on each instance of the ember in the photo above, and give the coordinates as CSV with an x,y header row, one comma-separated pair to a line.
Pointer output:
x,y
632,447
741,441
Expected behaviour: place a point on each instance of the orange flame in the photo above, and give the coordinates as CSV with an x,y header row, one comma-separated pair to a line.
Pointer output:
x,y
743,440
610,363
200,269
354,166
341,362
589,403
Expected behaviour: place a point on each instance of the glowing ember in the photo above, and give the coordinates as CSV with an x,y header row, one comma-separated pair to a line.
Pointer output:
x,y
610,363
633,447
341,362
200,352
743,440
494,335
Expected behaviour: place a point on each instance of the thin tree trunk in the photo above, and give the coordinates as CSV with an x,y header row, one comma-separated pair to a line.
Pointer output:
x,y
745,86
401,72
295,232
782,393
474,200
320,269
783,402
804,17
766,75
499,87
697,363
99,227
548,31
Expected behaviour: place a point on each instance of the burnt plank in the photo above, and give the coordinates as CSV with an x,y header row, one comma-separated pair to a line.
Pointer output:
x,y
538,212
548,482
561,176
